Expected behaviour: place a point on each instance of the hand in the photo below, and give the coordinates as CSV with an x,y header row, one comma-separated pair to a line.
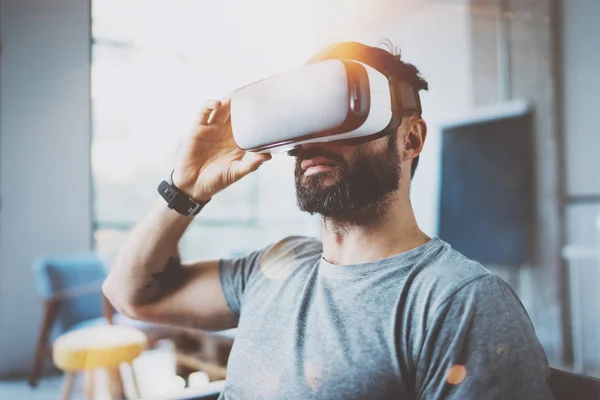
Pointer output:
x,y
209,159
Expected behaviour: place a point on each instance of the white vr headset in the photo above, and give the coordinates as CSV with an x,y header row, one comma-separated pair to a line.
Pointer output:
x,y
332,100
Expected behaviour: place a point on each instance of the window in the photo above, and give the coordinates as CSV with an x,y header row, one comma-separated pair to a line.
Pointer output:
x,y
154,65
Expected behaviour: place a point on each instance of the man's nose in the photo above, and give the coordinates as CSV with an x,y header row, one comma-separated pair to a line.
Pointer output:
x,y
303,148
321,146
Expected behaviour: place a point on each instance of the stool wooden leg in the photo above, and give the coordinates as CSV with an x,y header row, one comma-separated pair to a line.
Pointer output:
x,y
67,385
51,309
88,384
119,381
136,387
115,384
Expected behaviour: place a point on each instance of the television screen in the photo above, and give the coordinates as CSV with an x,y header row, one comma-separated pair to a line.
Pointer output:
x,y
487,185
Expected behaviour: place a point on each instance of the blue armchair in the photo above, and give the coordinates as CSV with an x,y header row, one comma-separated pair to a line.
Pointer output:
x,y
70,286
569,386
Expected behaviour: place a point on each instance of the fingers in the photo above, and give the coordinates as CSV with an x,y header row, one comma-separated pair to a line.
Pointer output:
x,y
207,110
248,164
262,157
221,114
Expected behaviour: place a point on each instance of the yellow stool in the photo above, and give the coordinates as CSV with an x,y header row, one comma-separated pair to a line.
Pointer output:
x,y
97,347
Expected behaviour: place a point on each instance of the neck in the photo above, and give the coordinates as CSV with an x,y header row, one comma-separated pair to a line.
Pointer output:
x,y
390,229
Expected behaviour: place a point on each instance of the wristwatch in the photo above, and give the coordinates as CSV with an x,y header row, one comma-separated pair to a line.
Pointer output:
x,y
178,200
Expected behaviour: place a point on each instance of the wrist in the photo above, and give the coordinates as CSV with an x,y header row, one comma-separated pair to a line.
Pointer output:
x,y
188,189
178,200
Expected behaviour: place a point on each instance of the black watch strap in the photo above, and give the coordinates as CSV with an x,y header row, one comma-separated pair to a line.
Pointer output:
x,y
178,200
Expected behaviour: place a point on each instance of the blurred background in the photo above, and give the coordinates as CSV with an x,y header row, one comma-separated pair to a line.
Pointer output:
x,y
94,98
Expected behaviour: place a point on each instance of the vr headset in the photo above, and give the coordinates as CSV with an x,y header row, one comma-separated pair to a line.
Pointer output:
x,y
336,97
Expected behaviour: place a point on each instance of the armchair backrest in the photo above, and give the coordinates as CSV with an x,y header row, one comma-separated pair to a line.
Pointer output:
x,y
74,281
570,386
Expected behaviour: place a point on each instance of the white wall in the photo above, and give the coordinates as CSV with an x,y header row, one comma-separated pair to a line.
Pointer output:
x,y
44,156
433,35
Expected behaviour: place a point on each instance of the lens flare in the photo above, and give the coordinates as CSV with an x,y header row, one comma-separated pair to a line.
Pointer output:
x,y
313,375
277,262
456,374
502,349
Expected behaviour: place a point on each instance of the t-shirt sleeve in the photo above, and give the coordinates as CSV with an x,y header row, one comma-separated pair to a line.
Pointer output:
x,y
480,344
235,275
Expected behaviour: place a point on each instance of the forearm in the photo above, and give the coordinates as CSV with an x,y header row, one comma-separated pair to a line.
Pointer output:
x,y
148,264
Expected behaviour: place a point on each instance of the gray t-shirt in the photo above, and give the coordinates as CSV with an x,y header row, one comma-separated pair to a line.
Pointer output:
x,y
424,324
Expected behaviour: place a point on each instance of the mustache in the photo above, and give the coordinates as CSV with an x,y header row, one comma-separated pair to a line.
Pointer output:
x,y
313,153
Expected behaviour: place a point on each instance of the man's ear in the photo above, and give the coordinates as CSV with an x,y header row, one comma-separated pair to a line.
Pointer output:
x,y
414,138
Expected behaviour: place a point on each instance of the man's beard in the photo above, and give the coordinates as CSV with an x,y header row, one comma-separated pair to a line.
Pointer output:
x,y
356,194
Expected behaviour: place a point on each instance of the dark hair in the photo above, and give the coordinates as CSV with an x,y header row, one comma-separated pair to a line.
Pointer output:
x,y
387,61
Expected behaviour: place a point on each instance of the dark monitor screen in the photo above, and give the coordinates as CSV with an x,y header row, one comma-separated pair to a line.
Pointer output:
x,y
487,186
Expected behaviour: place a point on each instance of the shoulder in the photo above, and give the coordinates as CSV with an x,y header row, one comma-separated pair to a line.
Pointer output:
x,y
297,245
444,278
289,254
292,248
282,252
443,272
274,261
446,287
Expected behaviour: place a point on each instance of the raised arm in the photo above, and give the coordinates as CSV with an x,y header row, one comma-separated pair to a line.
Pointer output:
x,y
148,280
